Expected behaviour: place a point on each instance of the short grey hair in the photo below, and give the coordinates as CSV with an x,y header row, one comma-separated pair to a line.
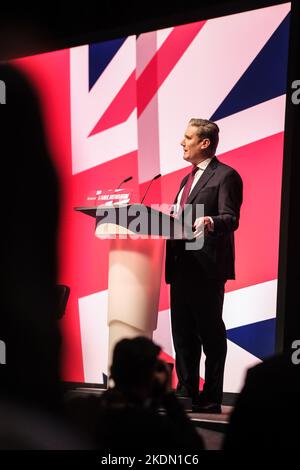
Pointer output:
x,y
207,130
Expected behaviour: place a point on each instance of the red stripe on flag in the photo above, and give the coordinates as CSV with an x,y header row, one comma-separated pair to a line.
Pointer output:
x,y
151,78
164,61
120,108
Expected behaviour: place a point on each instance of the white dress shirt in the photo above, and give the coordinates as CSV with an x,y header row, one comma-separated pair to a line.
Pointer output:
x,y
202,166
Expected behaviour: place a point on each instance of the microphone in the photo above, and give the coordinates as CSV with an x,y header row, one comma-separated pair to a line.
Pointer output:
x,y
124,181
155,178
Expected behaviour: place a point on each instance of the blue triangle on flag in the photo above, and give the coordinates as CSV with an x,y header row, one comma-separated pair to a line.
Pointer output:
x,y
256,338
100,54
265,77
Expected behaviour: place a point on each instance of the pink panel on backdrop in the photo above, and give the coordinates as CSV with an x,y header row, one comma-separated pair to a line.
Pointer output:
x,y
43,70
146,47
148,132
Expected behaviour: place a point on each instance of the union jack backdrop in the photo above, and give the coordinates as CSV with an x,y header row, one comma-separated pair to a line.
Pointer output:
x,y
120,108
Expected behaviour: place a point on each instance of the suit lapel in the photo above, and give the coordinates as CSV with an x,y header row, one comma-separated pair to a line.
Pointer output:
x,y
207,174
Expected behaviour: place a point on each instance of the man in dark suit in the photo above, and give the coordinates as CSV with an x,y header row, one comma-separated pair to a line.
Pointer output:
x,y
197,276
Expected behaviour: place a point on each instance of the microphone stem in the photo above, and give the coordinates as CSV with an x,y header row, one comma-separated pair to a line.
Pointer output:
x,y
155,178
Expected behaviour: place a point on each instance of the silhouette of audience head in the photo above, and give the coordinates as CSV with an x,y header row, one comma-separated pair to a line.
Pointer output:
x,y
135,367
267,409
129,417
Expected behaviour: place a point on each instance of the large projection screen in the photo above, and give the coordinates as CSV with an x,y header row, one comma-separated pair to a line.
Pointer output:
x,y
119,108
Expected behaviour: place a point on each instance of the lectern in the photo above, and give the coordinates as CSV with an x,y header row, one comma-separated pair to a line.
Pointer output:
x,y
137,235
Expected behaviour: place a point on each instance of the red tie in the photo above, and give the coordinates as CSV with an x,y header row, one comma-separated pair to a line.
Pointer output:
x,y
187,188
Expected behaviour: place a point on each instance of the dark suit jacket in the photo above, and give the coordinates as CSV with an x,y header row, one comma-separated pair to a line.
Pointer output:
x,y
220,189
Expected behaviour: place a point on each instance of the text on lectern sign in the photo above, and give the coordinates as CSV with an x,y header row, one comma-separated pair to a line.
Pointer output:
x,y
109,197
